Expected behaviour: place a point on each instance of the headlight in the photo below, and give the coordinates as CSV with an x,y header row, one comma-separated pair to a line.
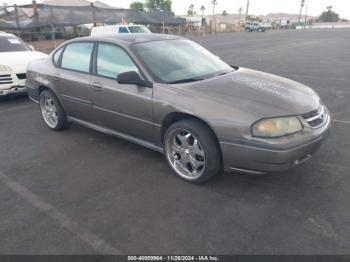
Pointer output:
x,y
275,127
5,68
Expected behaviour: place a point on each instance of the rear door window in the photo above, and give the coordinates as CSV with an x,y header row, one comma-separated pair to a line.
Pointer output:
x,y
77,56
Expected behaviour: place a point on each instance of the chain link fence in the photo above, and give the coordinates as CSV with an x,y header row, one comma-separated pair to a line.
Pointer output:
x,y
47,26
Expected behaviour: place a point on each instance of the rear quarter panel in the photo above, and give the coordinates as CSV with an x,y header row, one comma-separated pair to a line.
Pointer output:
x,y
39,76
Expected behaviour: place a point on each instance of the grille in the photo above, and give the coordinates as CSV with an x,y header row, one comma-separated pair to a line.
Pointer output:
x,y
5,79
316,118
310,114
21,76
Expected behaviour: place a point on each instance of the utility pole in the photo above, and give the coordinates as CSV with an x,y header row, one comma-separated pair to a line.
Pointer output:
x,y
17,20
214,3
93,13
305,20
5,6
53,35
35,8
302,3
246,11
240,14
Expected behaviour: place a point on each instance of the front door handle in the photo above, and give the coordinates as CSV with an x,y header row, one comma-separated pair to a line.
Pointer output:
x,y
56,77
96,86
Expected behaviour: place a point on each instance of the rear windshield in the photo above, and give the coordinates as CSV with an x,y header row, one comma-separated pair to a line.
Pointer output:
x,y
12,44
139,29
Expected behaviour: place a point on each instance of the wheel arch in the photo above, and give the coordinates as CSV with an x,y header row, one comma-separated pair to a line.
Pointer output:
x,y
43,88
174,117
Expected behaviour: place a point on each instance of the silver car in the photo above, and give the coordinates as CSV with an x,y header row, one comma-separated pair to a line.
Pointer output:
x,y
172,95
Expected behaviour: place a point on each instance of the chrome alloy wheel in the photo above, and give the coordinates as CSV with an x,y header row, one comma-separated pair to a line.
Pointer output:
x,y
49,111
185,154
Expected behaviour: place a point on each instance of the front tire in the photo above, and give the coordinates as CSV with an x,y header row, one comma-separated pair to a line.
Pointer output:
x,y
192,151
52,112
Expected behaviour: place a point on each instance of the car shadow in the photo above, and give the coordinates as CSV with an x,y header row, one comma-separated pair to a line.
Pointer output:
x,y
13,98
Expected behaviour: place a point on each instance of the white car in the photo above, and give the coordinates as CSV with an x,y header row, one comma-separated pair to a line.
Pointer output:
x,y
119,29
15,55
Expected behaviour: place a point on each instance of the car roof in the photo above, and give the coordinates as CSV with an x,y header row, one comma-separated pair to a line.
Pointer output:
x,y
134,25
119,25
128,39
129,25
6,34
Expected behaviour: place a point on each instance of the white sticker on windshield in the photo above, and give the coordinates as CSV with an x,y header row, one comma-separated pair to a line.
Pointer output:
x,y
14,41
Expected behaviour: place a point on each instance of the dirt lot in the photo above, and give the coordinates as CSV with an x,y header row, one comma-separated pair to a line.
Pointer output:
x,y
82,192
46,46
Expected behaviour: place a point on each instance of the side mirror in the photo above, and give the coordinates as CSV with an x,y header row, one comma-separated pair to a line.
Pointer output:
x,y
133,78
31,47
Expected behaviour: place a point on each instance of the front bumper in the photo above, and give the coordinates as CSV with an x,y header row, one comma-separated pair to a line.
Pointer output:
x,y
260,160
11,84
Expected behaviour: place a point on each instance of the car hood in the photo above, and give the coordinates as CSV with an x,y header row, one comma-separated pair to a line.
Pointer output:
x,y
18,61
257,92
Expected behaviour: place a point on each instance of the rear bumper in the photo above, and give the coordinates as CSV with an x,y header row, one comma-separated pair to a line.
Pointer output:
x,y
257,160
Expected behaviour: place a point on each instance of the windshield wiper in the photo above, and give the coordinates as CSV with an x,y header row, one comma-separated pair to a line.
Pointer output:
x,y
186,80
224,73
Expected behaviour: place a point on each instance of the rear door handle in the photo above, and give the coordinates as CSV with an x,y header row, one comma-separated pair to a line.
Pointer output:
x,y
56,77
96,86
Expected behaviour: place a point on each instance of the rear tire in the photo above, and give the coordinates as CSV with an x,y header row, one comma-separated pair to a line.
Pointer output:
x,y
52,112
192,151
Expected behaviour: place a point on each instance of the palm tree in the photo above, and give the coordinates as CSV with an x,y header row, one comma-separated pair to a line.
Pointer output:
x,y
191,10
202,10
214,3
302,3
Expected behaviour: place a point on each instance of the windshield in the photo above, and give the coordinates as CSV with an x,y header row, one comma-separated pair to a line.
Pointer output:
x,y
173,61
139,29
12,44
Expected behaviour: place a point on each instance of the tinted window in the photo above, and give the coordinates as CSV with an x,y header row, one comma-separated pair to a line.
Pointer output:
x,y
113,60
12,44
77,56
57,55
123,30
139,29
